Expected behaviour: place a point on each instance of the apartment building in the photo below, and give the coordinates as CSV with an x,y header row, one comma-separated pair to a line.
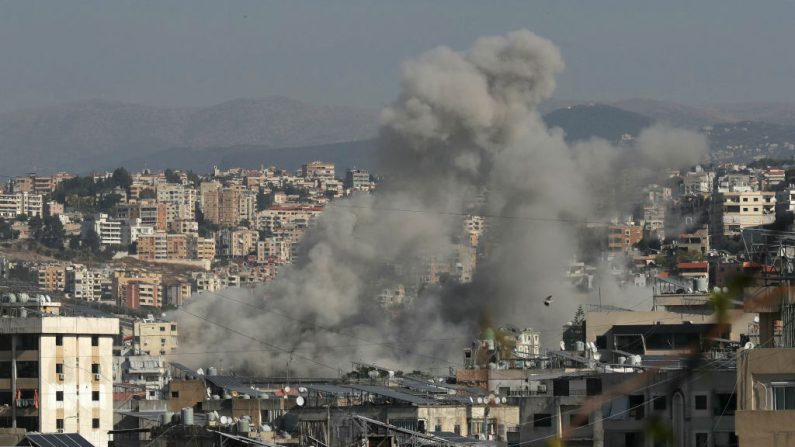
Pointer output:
x,y
358,179
161,245
282,215
698,182
201,248
236,242
90,284
155,337
621,238
735,211
19,203
109,230
318,170
54,277
695,242
180,201
59,374
274,250
766,397
146,290
150,213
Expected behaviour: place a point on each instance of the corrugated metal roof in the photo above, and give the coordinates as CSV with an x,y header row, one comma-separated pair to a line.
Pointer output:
x,y
394,394
58,440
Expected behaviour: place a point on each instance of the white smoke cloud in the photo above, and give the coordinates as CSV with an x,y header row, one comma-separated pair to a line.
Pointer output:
x,y
465,124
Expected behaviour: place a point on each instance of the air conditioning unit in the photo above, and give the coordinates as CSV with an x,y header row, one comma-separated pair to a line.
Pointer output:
x,y
542,388
61,376
96,376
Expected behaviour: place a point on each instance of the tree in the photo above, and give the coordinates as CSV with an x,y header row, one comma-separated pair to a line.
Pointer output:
x,y
579,317
193,178
91,240
52,234
147,193
7,232
121,178
107,202
172,177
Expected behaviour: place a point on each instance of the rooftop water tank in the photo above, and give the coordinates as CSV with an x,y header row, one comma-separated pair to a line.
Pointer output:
x,y
166,417
187,416
212,371
243,426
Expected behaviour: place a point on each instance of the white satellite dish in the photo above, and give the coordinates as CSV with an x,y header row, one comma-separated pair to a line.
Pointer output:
x,y
562,345
49,298
200,372
299,401
749,345
480,400
472,401
301,389
287,388
224,420
504,400
215,414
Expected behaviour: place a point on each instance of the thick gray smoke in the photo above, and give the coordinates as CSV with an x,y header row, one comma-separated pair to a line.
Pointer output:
x,y
465,126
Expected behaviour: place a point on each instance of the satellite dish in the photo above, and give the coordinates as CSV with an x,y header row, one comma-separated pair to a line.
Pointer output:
x,y
200,372
224,420
504,400
301,389
472,401
480,400
287,388
215,414
756,319
299,401
749,345
234,393
209,391
562,345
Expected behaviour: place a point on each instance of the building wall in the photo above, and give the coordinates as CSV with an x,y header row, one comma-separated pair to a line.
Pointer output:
x,y
155,338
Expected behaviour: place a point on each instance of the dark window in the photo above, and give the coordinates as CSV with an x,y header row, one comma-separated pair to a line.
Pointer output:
x,y
724,403
593,386
173,327
636,406
5,370
95,368
560,387
659,403
28,342
702,439
59,396
95,396
5,398
601,342
633,439
542,420
630,343
59,340
175,394
701,402
95,340
59,368
5,343
457,429
437,427
162,328
95,423
28,369
59,424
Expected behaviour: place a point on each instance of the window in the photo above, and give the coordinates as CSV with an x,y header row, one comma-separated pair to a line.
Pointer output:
x,y
542,420
173,327
745,209
59,396
175,394
59,368
59,424
162,328
95,368
659,403
95,396
724,403
756,199
59,340
28,369
593,386
702,439
457,429
95,423
437,427
701,402
95,340
636,406
560,387
783,396
575,421
756,209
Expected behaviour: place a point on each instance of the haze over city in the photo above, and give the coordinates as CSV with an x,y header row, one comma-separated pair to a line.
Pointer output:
x,y
396,224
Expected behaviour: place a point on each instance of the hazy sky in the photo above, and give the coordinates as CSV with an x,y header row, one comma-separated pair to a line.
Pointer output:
x,y
197,52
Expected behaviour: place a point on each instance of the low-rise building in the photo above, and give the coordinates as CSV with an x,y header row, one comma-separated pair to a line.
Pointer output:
x,y
155,337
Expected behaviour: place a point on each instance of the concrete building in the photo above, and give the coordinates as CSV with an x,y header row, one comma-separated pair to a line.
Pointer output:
x,y
235,242
696,242
766,397
698,182
180,201
274,250
155,337
135,288
110,231
221,206
21,203
318,170
358,180
162,246
144,371
59,375
201,248
54,277
735,211
621,238
151,213
90,284
133,229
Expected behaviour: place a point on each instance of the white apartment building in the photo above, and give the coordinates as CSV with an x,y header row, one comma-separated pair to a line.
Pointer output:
x,y
90,284
698,182
155,337
736,211
17,204
319,170
180,200
274,249
528,344
60,374
133,229
284,215
146,371
108,229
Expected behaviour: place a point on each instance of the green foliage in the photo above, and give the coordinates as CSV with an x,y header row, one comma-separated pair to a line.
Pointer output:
x,y
107,202
579,317
6,231
22,273
121,178
193,178
172,177
147,193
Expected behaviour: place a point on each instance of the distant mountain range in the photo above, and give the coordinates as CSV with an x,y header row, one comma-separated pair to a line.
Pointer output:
x,y
93,134
97,134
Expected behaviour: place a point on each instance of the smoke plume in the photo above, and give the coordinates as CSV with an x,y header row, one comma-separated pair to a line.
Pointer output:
x,y
463,137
